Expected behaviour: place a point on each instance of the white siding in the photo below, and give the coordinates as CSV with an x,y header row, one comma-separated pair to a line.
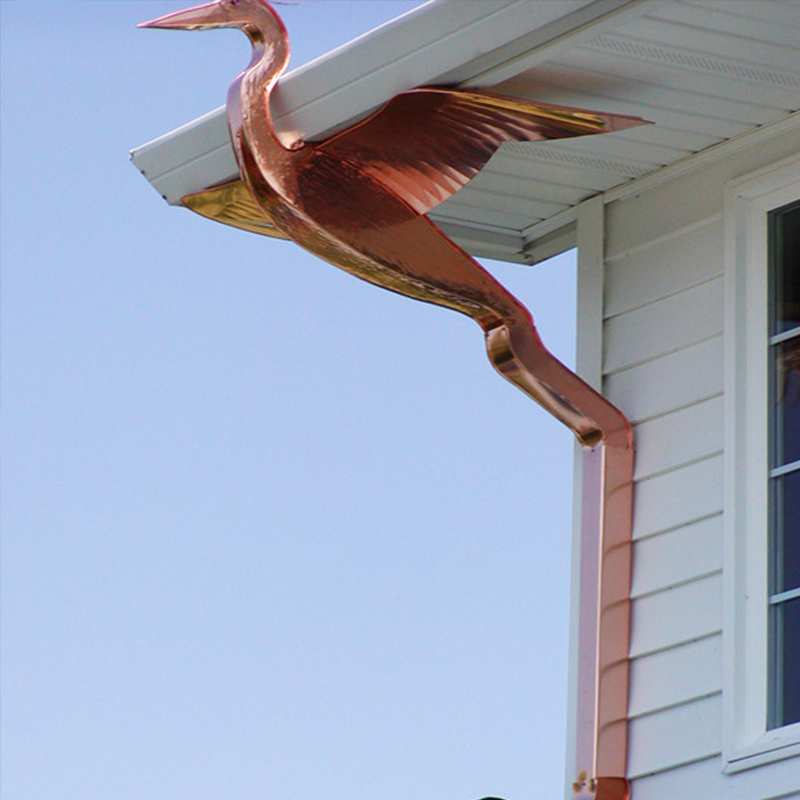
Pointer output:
x,y
676,615
668,383
679,497
663,268
663,344
677,556
672,323
655,747
662,444
676,676
704,779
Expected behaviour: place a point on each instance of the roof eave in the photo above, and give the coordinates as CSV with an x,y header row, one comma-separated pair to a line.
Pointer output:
x,y
430,45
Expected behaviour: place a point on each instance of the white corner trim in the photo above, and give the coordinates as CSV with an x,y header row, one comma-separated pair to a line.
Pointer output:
x,y
590,241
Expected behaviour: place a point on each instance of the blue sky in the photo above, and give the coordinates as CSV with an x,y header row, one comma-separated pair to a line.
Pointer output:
x,y
267,531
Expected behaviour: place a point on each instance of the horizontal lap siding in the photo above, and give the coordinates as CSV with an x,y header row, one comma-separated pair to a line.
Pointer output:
x,y
704,779
671,382
678,498
661,443
663,268
676,616
664,326
654,745
671,677
677,556
663,367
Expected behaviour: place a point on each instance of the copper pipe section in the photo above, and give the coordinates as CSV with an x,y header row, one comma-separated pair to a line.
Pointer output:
x,y
359,199
613,635
601,788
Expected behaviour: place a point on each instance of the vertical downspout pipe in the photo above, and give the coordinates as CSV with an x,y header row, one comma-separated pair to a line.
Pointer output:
x,y
607,437
601,733
605,628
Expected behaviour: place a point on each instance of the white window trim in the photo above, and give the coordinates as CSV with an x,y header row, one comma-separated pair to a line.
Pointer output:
x,y
746,741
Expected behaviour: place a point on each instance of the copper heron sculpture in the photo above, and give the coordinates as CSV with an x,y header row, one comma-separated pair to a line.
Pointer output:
x,y
359,200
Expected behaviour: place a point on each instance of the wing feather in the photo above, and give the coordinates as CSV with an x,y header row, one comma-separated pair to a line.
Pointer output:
x,y
425,144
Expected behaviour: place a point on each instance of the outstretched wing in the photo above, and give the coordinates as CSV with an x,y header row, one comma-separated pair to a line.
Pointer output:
x,y
425,144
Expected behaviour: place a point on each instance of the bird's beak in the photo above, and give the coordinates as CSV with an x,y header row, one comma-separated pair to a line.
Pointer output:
x,y
199,18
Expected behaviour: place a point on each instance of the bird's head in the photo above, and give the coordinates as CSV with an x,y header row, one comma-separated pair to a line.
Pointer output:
x,y
255,17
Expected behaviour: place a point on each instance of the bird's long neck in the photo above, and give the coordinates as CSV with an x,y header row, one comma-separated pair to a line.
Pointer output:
x,y
249,115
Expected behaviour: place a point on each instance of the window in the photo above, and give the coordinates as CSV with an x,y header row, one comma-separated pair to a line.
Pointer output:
x,y
784,476
761,689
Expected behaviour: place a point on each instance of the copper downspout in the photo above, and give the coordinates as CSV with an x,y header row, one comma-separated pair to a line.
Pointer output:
x,y
603,669
605,580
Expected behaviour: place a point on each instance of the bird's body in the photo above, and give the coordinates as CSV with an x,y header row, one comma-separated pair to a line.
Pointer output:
x,y
359,199
343,217
330,205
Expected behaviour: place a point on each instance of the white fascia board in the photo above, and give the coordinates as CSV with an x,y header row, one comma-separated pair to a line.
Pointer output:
x,y
440,42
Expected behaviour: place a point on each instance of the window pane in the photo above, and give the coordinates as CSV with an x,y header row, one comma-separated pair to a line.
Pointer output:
x,y
785,664
785,258
786,532
786,415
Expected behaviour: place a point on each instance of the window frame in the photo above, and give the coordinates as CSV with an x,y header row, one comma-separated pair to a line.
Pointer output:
x,y
783,468
747,741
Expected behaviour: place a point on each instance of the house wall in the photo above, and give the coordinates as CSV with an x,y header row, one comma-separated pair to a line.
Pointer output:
x,y
662,365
